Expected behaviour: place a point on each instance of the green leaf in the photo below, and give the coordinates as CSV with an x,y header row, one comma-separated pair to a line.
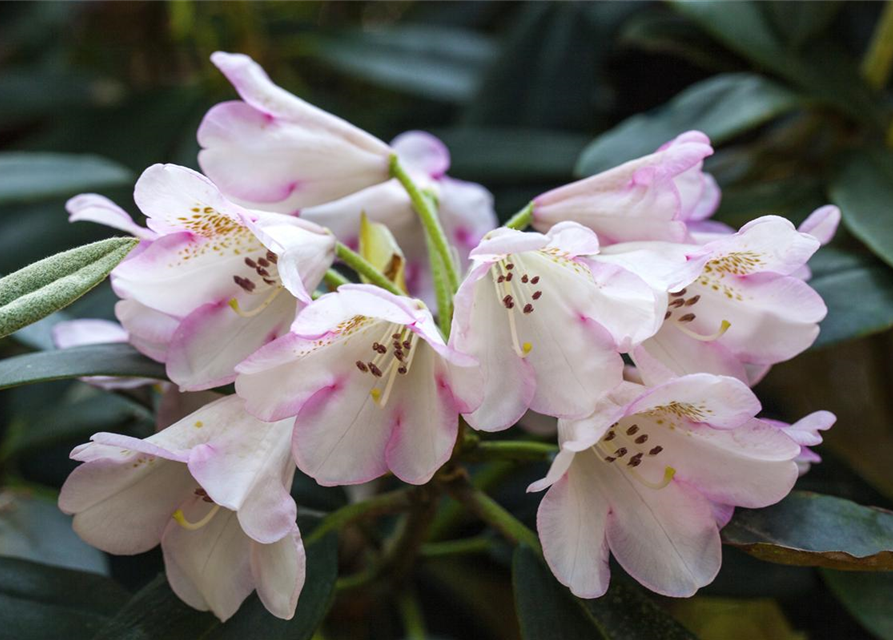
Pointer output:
x,y
858,290
725,618
553,49
722,107
26,177
33,528
118,359
812,529
53,283
511,155
867,597
863,189
39,602
439,63
798,22
156,612
547,610
822,69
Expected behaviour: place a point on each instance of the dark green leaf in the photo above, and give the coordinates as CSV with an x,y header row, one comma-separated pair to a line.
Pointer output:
x,y
39,602
156,612
33,528
547,610
25,177
119,359
816,530
858,290
798,22
667,33
511,155
722,107
438,63
53,283
548,73
31,93
822,69
863,190
867,597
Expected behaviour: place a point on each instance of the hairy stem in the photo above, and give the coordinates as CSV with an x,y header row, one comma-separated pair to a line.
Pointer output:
x,y
365,268
522,219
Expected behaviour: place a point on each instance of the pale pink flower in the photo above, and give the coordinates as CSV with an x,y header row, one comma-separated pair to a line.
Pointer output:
x,y
217,281
806,433
652,476
649,198
272,146
213,490
547,323
742,309
372,384
465,209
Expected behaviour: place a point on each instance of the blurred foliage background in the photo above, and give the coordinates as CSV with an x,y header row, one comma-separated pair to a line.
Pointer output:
x,y
527,96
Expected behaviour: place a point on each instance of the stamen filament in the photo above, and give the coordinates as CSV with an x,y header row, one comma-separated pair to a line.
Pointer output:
x,y
234,303
508,290
723,327
180,517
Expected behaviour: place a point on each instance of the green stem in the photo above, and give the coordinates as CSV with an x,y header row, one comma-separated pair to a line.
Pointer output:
x,y
522,219
491,512
385,503
441,291
451,513
878,59
477,544
430,222
411,615
334,279
519,450
365,268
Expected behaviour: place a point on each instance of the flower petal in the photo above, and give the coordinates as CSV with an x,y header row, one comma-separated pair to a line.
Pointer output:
x,y
279,570
422,152
150,332
822,223
96,208
571,521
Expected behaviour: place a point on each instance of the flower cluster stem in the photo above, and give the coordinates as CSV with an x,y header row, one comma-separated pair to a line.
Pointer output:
x,y
365,268
522,219
518,450
491,512
334,279
431,223
382,504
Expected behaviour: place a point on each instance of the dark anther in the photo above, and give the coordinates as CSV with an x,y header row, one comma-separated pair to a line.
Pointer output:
x,y
632,430
642,439
272,257
508,301
528,308
633,462
610,436
251,263
692,300
678,293
508,277
207,499
396,336
362,366
500,279
375,370
509,266
621,452
375,346
610,459
678,302
688,317
200,492
270,282
382,349
407,344
245,283
398,353
536,295
655,451
667,314
263,262
524,278
262,272
534,279
401,370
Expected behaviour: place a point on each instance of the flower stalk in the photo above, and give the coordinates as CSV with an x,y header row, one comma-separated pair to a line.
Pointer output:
x,y
522,219
365,268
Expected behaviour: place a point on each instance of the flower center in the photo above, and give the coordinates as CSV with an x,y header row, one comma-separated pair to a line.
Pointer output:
x,y
267,273
394,353
628,447
680,312
516,291
180,517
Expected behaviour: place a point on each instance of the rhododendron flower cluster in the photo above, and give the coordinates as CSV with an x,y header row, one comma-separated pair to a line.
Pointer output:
x,y
350,382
